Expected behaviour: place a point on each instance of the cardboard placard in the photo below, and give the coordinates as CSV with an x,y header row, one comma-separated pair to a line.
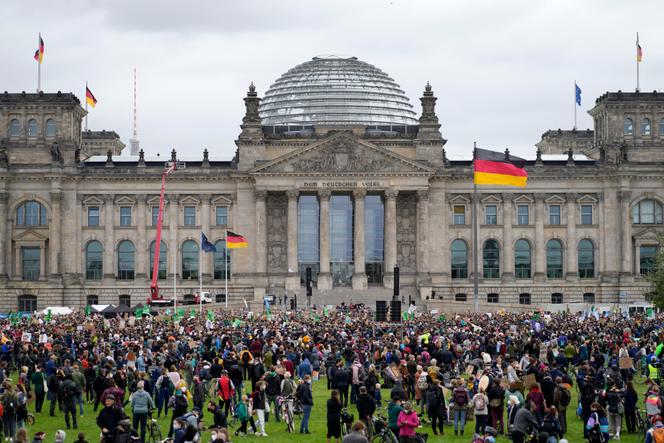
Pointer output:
x,y
528,381
626,363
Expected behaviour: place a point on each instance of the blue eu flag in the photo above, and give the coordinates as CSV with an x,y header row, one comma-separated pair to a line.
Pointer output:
x,y
206,245
578,94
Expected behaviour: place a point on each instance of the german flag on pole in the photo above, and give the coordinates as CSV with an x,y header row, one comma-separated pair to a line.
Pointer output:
x,y
39,53
90,98
499,169
235,241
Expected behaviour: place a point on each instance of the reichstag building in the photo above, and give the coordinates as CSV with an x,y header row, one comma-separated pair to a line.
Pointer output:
x,y
335,171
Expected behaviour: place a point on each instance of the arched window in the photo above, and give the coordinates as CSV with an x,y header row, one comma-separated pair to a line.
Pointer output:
x,y
459,259
190,260
491,259
163,260
554,259
522,259
14,128
628,127
92,300
31,213
645,126
50,128
94,261
27,303
32,128
647,212
126,254
124,300
222,261
586,259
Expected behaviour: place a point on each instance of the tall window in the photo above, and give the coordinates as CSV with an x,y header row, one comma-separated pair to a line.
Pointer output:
x,y
554,214
554,259
647,212
126,253
94,261
491,259
308,240
374,220
524,299
628,127
27,303
190,260
14,128
491,214
125,215
31,213
522,268
522,214
155,215
459,215
341,239
222,261
30,261
190,215
645,126
647,258
586,214
163,260
50,128
459,259
222,215
32,128
93,215
586,259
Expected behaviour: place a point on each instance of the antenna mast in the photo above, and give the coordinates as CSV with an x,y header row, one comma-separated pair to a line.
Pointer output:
x,y
134,142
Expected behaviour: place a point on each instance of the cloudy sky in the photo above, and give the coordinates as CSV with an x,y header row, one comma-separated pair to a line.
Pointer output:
x,y
503,71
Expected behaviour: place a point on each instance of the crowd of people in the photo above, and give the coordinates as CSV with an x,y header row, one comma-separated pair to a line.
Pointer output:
x,y
512,374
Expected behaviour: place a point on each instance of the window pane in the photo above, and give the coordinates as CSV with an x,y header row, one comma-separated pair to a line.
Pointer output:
x,y
190,260
155,216
628,127
14,128
308,229
32,127
125,215
491,259
524,299
94,261
492,298
645,127
222,261
222,216
126,260
522,214
589,297
647,214
491,214
460,297
190,216
635,214
32,213
30,258
20,215
586,214
93,216
586,259
556,298
459,215
459,259
374,218
27,303
50,127
554,259
162,259
647,259
522,259
554,214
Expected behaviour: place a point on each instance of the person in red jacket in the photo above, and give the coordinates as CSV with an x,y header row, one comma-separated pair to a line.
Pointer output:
x,y
225,391
536,397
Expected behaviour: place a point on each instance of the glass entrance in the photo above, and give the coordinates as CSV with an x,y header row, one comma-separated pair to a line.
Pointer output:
x,y
374,229
341,239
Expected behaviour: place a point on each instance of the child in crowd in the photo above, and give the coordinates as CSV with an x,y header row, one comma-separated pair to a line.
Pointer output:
x,y
378,397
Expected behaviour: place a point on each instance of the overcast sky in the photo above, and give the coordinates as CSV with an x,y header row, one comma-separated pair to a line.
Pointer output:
x,y
503,71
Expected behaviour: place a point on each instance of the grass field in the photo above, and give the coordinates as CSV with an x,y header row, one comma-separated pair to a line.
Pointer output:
x,y
276,431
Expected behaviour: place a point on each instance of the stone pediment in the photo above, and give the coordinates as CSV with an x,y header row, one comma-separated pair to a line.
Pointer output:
x,y
342,153
649,233
30,236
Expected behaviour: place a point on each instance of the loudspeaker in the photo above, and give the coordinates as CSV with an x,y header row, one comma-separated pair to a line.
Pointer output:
x,y
395,311
396,281
381,310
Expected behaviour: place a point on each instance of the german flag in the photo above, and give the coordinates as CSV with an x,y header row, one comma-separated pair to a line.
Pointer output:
x,y
90,98
235,241
499,169
39,53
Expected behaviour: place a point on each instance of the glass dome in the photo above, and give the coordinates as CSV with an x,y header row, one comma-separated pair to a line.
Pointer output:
x,y
334,90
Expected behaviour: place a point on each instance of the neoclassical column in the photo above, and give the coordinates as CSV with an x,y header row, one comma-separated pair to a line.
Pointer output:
x,y
359,276
142,253
423,233
324,276
54,233
3,236
508,250
261,231
572,269
42,261
109,241
390,236
540,254
293,280
626,230
207,258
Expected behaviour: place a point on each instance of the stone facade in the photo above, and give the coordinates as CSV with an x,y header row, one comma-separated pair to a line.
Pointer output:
x,y
56,201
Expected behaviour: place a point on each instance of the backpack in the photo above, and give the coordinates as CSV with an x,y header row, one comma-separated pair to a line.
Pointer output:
x,y
422,384
480,403
432,398
460,397
565,397
658,435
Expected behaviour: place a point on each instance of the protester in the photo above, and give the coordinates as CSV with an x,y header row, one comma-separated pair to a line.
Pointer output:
x,y
334,408
357,435
407,423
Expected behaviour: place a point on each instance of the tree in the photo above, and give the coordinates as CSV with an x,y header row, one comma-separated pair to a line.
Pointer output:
x,y
656,276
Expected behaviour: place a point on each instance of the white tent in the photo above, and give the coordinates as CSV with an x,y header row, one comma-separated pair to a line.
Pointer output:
x,y
57,310
98,308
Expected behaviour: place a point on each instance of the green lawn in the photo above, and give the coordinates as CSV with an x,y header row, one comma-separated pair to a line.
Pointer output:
x,y
277,433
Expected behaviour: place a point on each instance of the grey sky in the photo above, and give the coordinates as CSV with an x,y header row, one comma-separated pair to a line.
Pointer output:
x,y
503,71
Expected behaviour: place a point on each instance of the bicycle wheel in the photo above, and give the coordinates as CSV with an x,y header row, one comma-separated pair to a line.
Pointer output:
x,y
381,438
155,432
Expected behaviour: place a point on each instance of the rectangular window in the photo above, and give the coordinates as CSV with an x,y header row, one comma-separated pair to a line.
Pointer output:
x,y
491,215
222,215
647,259
93,216
522,215
586,214
30,261
524,299
125,215
155,215
190,215
554,214
460,297
557,298
459,215
492,298
589,297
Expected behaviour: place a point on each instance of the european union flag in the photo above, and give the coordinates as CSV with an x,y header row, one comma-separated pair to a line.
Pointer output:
x,y
206,245
578,94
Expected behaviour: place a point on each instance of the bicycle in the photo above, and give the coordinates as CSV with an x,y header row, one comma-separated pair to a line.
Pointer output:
x,y
642,424
286,410
153,430
347,420
382,432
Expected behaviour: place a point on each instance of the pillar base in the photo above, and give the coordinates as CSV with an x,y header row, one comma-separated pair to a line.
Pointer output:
x,y
360,281
572,276
539,277
324,281
508,277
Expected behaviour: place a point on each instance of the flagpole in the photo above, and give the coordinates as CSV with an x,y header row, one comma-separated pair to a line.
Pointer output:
x,y
39,63
86,105
475,235
226,274
575,104
175,283
200,277
637,62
